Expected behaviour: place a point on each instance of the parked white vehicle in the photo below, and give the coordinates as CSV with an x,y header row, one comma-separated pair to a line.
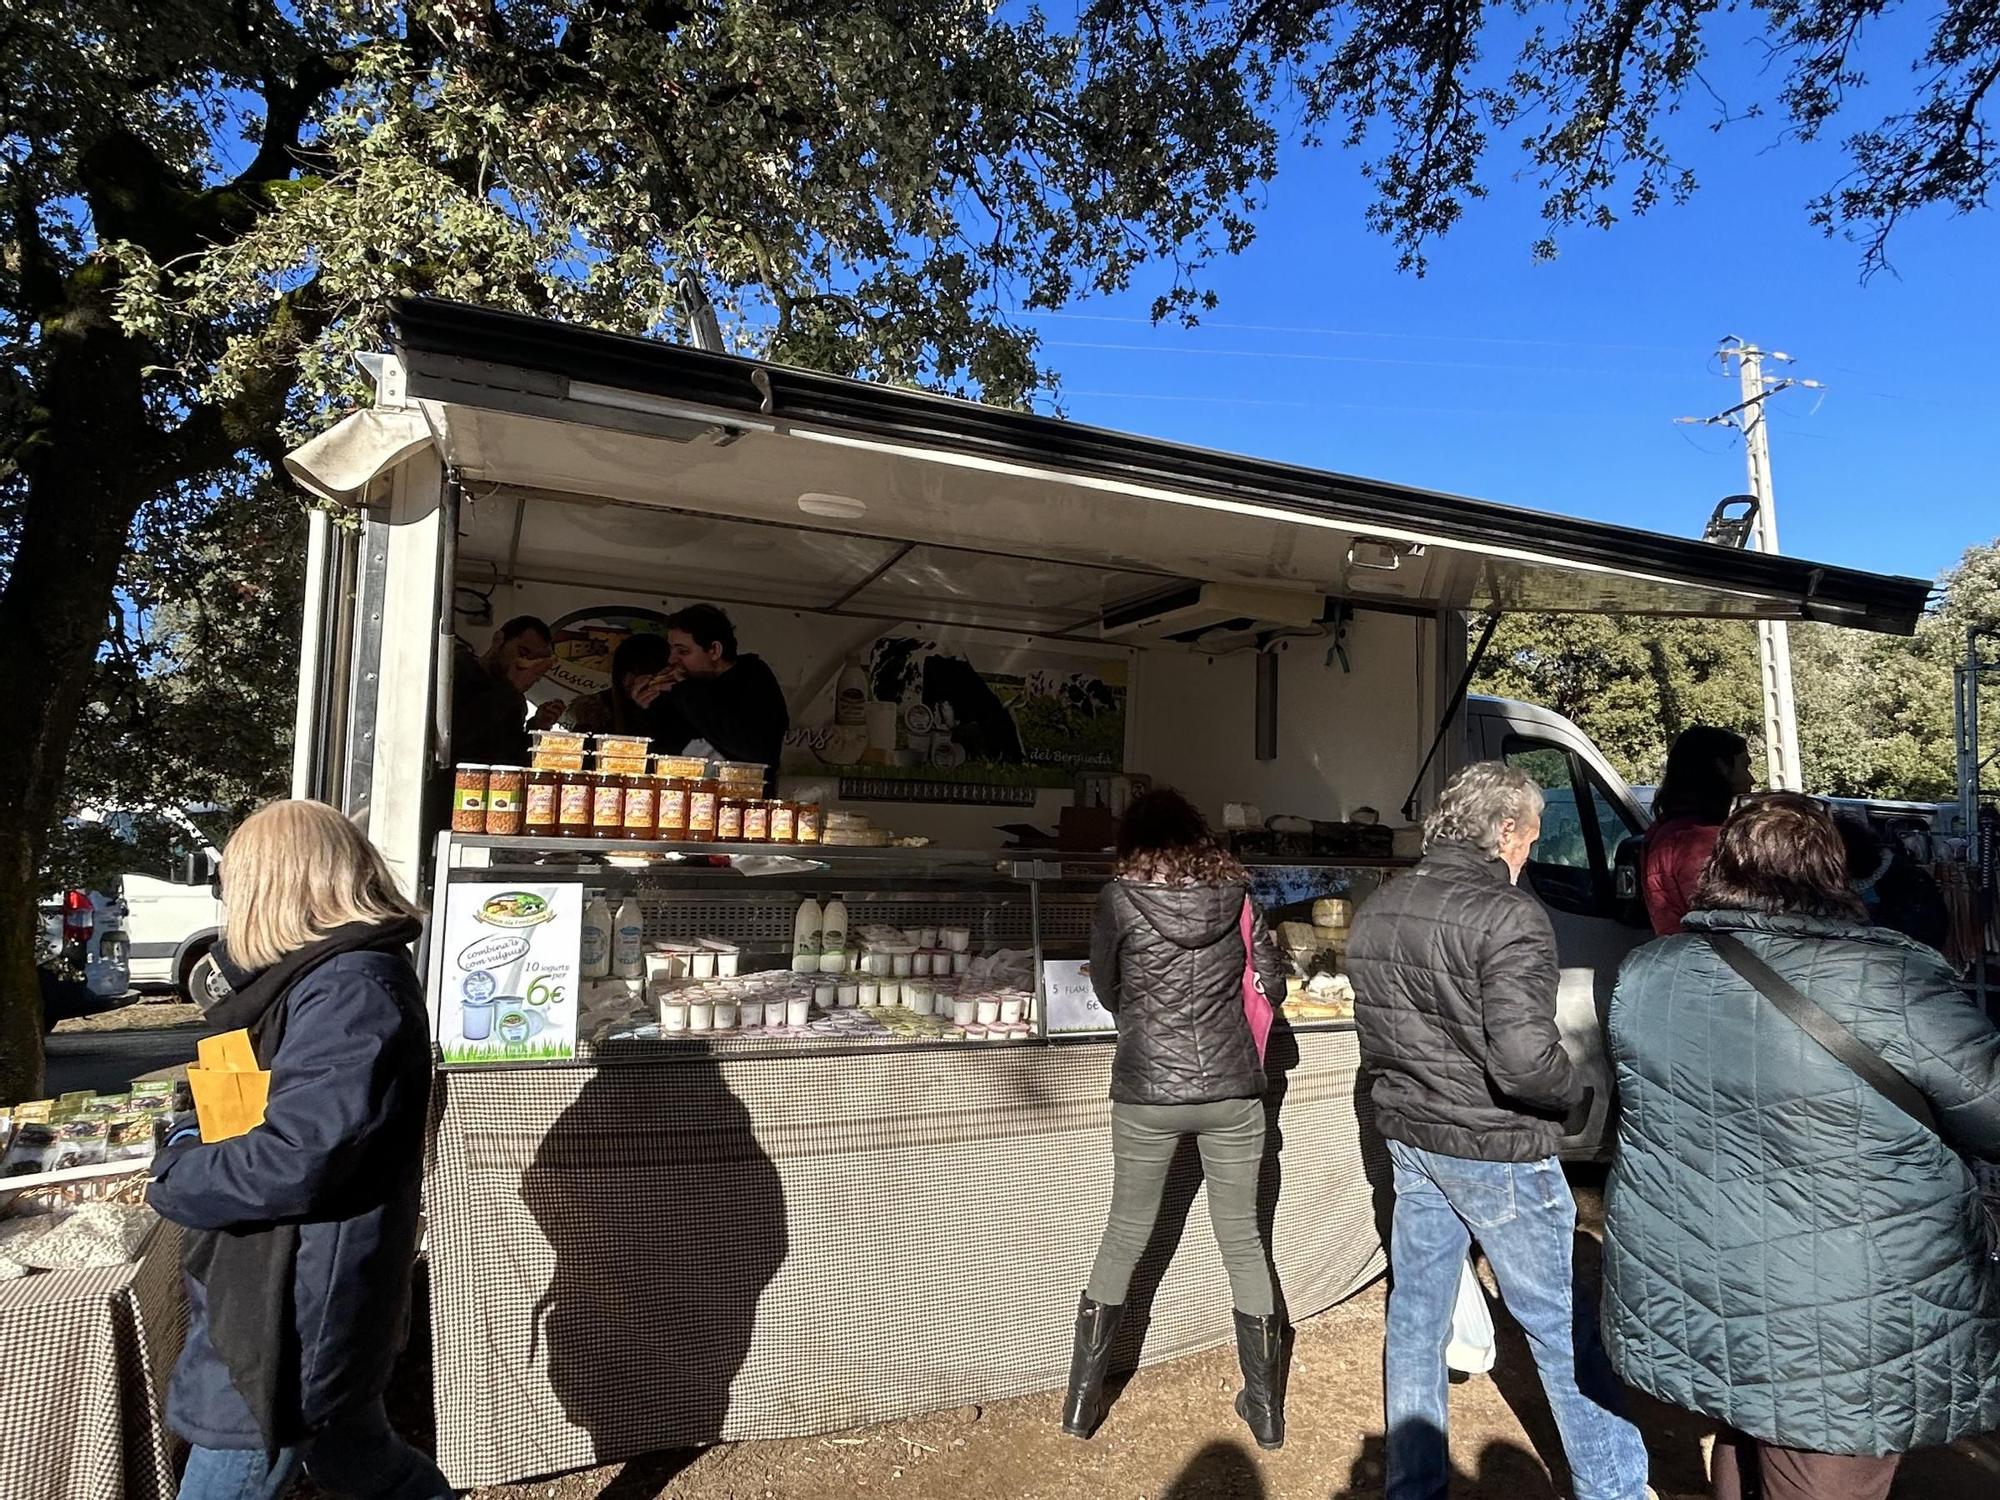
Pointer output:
x,y
169,906
83,942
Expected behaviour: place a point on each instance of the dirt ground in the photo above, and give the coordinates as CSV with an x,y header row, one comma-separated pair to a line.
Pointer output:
x,y
1171,1435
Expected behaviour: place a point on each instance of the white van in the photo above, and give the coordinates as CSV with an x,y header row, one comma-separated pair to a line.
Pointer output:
x,y
1585,870
171,908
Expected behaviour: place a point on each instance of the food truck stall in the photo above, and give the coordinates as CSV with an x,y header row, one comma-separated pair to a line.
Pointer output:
x,y
771,1110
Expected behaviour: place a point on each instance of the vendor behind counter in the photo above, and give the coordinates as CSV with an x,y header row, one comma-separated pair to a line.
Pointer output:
x,y
489,705
692,693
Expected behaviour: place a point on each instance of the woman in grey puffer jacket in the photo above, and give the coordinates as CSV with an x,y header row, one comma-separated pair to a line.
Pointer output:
x,y
1168,958
1786,1250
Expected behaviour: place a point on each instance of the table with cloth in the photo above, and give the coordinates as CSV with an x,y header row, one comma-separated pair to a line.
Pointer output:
x,y
627,1257
84,1361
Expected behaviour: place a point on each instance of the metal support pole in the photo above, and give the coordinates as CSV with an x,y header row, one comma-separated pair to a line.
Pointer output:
x,y
1774,637
1267,704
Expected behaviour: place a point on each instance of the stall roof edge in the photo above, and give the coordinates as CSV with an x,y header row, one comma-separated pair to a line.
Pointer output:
x,y
429,327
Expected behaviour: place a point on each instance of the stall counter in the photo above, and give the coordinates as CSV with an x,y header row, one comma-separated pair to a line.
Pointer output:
x,y
635,1256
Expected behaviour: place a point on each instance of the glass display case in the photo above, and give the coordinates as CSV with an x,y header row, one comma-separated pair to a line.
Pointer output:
x,y
746,949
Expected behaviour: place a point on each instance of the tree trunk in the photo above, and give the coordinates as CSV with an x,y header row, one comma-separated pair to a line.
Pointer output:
x,y
91,457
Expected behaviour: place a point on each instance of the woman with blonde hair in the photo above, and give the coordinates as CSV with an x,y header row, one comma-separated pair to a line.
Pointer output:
x,y
303,1231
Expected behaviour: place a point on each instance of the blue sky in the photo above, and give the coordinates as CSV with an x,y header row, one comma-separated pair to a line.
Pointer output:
x,y
1555,386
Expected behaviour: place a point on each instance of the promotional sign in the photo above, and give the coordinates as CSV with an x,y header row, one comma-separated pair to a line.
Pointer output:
x,y
510,972
962,706
1072,1003
585,640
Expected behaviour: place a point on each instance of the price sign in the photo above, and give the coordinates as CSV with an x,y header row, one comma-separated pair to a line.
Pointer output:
x,y
1072,1003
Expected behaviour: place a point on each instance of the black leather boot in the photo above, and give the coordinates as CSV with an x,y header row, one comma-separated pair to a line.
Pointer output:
x,y
1260,1349
1096,1323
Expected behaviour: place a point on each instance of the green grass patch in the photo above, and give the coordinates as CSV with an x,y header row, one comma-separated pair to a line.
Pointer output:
x,y
512,1052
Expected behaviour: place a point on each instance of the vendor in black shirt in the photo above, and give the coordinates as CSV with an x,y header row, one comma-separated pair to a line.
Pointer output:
x,y
710,700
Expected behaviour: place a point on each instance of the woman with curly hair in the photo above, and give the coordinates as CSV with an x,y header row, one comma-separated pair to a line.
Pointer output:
x,y
1168,957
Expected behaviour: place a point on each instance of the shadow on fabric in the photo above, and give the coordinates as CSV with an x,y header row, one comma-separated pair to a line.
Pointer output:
x,y
1221,1471
667,1221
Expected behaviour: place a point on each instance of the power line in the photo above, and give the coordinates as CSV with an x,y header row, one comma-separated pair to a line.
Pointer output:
x,y
1511,413
1357,333
1354,359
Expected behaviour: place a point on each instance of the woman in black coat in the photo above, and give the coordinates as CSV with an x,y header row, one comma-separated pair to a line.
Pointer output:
x,y
303,1231
1168,958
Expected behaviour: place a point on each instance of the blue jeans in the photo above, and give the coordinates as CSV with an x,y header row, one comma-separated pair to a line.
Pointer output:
x,y
1524,1218
357,1458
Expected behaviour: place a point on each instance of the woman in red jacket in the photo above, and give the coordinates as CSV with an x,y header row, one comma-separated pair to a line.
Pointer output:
x,y
1707,770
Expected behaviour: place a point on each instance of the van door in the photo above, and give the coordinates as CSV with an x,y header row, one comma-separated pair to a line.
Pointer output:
x,y
1574,869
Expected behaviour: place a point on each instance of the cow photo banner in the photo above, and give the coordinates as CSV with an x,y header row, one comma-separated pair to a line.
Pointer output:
x,y
954,706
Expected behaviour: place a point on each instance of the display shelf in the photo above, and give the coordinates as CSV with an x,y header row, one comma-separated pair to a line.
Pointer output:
x,y
548,856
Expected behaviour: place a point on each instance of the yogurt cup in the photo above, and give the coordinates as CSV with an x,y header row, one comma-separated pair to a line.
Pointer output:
x,y
892,992
701,964
701,1015
673,1016
848,996
961,962
989,1011
920,963
725,1015
798,1011
964,1010
920,998
957,939
775,1012
1012,1009
927,938
902,965
825,996
869,993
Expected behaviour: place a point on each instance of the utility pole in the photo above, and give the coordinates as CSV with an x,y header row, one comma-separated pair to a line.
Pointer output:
x,y
1774,637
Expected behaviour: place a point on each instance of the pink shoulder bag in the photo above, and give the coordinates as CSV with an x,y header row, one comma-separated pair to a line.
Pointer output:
x,y
1256,1004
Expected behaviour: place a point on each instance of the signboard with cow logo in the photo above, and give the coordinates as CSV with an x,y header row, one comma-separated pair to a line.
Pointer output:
x,y
963,708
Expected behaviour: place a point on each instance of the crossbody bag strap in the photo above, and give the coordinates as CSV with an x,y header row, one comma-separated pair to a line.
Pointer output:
x,y
1824,1029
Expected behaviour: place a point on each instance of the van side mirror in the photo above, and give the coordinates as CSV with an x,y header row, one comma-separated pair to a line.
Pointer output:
x,y
199,868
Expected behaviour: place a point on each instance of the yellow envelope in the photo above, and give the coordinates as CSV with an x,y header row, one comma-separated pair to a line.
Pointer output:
x,y
230,1090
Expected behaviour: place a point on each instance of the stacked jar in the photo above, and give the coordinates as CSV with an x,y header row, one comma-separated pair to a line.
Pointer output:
x,y
674,778
561,791
740,787
488,800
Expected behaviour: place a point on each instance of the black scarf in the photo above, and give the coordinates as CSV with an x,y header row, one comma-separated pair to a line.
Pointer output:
x,y
247,1272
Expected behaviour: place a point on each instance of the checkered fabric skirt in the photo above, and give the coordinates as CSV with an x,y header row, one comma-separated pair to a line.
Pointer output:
x,y
84,1361
632,1257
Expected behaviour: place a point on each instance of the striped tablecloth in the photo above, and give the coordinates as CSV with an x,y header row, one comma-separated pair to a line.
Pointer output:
x,y
84,1361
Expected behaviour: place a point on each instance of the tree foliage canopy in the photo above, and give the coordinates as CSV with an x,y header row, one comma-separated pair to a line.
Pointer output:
x,y
1600,97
